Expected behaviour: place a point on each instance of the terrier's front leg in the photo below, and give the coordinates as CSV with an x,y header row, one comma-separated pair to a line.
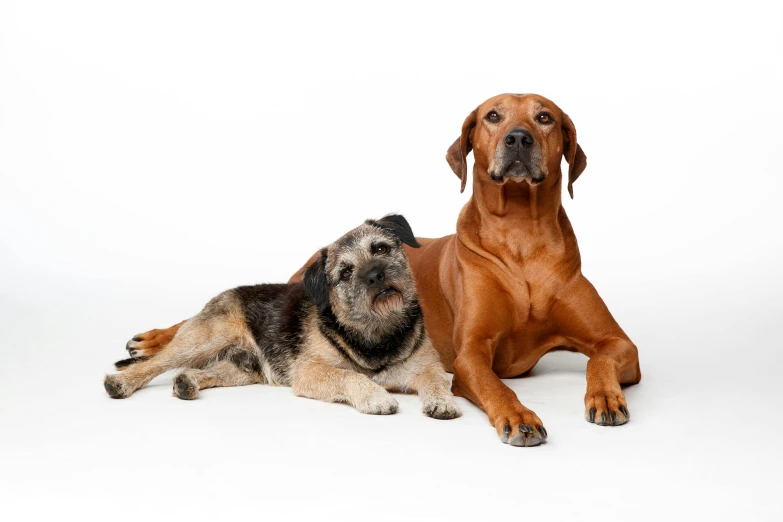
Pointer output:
x,y
424,374
317,380
435,394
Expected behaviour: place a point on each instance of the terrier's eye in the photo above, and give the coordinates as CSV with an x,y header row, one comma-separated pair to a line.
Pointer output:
x,y
380,249
492,116
544,118
345,274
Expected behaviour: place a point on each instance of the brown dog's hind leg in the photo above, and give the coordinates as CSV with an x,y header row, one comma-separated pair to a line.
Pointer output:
x,y
221,374
151,342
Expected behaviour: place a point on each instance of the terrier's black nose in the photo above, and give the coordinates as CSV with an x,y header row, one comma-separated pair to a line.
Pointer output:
x,y
517,137
374,277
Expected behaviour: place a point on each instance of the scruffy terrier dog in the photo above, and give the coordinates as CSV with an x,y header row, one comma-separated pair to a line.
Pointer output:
x,y
352,330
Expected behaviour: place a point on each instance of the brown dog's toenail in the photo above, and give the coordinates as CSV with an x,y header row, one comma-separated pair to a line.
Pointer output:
x,y
613,416
624,410
603,418
592,414
506,429
543,431
136,338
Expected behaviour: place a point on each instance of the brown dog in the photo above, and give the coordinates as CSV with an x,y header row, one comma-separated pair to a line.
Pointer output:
x,y
507,288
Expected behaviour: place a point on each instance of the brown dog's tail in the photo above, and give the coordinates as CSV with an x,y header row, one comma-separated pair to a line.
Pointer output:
x,y
121,365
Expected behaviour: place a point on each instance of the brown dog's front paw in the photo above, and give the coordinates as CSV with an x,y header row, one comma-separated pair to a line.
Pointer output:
x,y
185,387
521,428
606,408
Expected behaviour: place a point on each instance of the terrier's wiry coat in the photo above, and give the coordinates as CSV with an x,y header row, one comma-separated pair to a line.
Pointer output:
x,y
351,331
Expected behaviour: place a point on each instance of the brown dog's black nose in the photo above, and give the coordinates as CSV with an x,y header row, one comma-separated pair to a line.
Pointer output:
x,y
517,137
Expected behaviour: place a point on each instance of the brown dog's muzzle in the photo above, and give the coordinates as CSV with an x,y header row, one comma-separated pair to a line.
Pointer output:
x,y
517,157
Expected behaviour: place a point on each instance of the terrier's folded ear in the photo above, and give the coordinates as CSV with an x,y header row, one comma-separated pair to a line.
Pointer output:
x,y
397,226
316,283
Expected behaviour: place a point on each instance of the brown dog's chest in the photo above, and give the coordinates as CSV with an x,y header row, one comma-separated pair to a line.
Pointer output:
x,y
526,287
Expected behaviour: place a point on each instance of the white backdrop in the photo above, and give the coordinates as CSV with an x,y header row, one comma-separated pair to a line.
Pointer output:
x,y
154,153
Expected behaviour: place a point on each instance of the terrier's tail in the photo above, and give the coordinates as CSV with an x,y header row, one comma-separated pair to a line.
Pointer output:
x,y
121,365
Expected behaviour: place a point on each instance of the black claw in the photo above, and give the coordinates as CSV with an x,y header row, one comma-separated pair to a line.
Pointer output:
x,y
624,410
136,338
507,429
592,414
524,428
603,418
613,416
543,431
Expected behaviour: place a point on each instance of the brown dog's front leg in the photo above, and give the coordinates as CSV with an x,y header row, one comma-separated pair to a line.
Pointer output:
x,y
613,361
584,320
475,380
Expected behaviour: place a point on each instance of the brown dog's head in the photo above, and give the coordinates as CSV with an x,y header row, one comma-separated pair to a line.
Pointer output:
x,y
364,277
518,137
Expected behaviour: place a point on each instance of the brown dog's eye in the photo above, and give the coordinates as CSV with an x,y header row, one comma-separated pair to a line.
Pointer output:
x,y
380,249
346,274
493,116
545,118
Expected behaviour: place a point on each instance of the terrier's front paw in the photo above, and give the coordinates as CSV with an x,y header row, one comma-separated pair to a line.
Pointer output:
x,y
185,387
116,387
441,408
380,403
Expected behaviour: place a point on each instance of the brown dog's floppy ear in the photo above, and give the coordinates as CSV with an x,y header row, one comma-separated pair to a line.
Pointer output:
x,y
399,227
574,155
460,148
315,282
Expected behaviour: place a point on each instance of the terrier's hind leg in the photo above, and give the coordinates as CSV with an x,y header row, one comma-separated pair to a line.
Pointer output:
x,y
198,343
122,385
220,374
